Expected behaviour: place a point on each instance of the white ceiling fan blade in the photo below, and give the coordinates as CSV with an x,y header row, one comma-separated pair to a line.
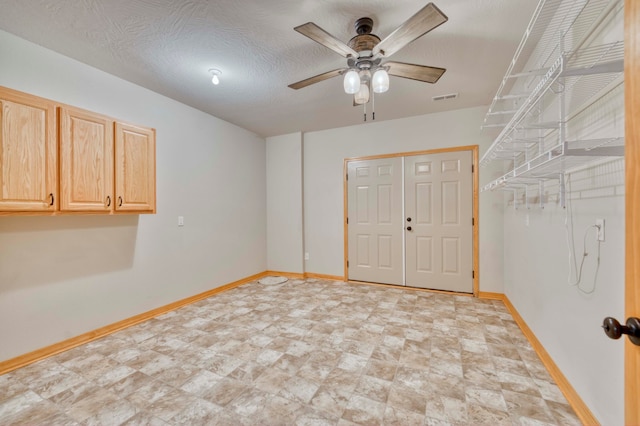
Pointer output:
x,y
316,79
427,18
319,35
415,72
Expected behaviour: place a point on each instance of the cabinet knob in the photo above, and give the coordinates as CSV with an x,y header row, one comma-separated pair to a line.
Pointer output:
x,y
119,201
108,201
408,228
408,219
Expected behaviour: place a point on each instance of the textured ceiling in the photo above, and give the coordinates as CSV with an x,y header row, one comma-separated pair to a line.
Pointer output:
x,y
168,46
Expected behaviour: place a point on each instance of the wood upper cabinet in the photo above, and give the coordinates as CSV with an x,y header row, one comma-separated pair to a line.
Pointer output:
x,y
86,161
28,153
94,164
135,168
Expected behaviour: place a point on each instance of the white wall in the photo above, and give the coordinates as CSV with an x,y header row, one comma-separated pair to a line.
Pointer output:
x,y
63,276
325,151
285,245
566,320
538,242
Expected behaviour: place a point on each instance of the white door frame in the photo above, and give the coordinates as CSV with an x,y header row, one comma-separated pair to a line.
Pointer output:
x,y
476,218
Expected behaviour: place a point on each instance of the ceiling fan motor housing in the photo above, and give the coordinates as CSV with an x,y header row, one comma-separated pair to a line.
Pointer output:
x,y
364,41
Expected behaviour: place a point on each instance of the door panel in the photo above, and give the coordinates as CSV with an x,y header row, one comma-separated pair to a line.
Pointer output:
x,y
424,204
450,255
424,254
385,204
439,201
375,220
449,202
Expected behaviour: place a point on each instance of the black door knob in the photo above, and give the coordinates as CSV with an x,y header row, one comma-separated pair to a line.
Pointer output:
x,y
408,219
615,330
408,228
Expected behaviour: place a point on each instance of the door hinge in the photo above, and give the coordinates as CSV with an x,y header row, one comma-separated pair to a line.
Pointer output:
x,y
473,274
347,221
347,263
472,168
347,176
473,221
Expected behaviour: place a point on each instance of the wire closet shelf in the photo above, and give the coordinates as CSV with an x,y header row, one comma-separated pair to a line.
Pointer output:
x,y
563,72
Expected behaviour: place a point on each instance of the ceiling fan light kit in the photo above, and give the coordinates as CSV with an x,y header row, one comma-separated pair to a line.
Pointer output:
x,y
365,53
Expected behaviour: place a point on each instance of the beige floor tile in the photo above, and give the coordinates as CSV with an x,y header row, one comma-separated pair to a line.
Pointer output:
x,y
362,410
307,352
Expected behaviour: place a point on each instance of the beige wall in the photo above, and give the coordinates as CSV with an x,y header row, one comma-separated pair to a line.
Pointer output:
x,y
324,152
285,244
539,271
63,276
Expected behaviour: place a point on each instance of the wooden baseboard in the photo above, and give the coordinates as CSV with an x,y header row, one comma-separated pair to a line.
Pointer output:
x,y
39,354
303,275
323,276
582,411
490,296
290,275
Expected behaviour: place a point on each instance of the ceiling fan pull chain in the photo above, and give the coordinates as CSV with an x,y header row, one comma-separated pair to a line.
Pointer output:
x,y
373,105
365,111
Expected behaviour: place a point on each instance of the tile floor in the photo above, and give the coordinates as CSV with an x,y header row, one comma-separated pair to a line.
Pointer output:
x,y
310,352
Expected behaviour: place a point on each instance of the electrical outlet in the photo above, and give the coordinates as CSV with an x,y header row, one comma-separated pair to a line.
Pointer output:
x,y
600,225
306,256
180,220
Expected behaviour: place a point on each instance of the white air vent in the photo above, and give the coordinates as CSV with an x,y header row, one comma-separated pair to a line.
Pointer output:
x,y
445,97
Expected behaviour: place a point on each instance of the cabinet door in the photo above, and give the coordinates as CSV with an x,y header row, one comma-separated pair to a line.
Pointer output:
x,y
135,169
28,153
86,161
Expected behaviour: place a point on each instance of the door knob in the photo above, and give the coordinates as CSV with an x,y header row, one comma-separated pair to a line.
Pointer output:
x,y
408,228
614,329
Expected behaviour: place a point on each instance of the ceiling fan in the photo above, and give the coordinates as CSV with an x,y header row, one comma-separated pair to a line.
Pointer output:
x,y
365,53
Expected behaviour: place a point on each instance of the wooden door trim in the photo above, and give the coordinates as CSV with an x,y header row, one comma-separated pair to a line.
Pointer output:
x,y
476,208
632,200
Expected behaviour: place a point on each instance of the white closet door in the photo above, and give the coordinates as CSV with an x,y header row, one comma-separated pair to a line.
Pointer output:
x,y
439,213
375,220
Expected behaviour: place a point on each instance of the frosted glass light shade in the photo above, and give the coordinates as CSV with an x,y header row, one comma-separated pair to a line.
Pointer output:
x,y
351,82
380,81
362,97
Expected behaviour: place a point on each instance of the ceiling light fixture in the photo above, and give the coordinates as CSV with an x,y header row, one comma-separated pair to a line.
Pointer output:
x,y
362,97
380,81
351,82
369,84
215,73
